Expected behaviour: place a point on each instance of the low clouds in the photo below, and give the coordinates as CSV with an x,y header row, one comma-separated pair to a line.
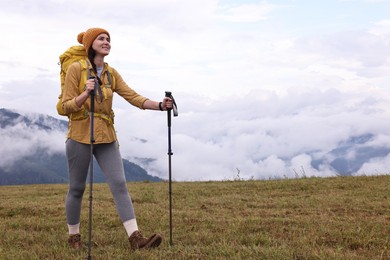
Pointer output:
x,y
313,133
23,136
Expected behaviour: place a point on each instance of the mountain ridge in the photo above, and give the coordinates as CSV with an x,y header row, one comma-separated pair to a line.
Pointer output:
x,y
41,165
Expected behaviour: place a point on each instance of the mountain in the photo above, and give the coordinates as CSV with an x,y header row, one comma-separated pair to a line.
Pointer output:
x,y
350,155
31,154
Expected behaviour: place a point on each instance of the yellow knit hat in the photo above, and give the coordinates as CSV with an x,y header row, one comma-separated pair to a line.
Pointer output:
x,y
86,38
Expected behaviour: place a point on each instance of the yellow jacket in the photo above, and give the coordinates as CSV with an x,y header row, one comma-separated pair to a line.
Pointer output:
x,y
104,131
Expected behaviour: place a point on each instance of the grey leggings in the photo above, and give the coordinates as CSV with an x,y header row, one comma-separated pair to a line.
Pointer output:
x,y
110,161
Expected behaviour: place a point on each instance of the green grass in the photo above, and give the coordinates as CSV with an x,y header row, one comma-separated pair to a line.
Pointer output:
x,y
308,218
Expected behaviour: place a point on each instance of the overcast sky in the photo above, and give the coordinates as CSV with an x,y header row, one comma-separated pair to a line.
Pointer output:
x,y
262,86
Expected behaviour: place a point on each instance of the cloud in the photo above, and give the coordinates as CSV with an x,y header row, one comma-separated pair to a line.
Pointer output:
x,y
35,95
376,166
245,13
22,140
377,1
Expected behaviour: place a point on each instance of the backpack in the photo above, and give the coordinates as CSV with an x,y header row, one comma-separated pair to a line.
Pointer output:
x,y
78,54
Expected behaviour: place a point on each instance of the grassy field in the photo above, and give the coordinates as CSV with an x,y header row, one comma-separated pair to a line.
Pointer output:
x,y
308,218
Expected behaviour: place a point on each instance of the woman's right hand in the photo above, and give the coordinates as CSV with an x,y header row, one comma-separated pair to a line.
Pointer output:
x,y
89,85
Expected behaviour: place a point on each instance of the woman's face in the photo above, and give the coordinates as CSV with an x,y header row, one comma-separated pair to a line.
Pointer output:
x,y
102,44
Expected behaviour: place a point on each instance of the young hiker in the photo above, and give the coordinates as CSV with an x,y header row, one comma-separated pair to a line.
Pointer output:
x,y
96,42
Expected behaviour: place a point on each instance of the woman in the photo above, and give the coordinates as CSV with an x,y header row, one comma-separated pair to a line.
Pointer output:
x,y
105,149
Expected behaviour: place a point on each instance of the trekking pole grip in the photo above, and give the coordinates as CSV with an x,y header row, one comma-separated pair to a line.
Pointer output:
x,y
92,93
174,105
169,94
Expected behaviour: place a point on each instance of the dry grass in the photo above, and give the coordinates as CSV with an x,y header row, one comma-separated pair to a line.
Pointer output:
x,y
309,218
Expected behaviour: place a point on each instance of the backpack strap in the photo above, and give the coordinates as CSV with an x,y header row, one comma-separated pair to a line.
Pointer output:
x,y
111,78
84,76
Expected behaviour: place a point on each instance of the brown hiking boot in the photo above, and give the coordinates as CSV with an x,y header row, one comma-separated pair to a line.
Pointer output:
x,y
138,241
74,241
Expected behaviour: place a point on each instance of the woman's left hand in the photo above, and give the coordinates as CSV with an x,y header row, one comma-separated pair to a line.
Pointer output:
x,y
167,103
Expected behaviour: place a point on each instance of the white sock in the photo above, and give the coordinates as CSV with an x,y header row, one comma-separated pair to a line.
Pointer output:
x,y
74,229
130,226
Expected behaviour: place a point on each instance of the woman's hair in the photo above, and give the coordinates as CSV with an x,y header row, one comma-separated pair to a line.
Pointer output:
x,y
91,57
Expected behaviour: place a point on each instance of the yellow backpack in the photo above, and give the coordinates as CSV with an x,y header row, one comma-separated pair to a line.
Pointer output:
x,y
78,54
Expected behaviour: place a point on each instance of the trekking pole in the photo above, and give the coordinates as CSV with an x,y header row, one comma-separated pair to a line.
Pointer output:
x,y
92,93
175,113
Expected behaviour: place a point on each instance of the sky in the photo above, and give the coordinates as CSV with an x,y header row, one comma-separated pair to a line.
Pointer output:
x,y
265,89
